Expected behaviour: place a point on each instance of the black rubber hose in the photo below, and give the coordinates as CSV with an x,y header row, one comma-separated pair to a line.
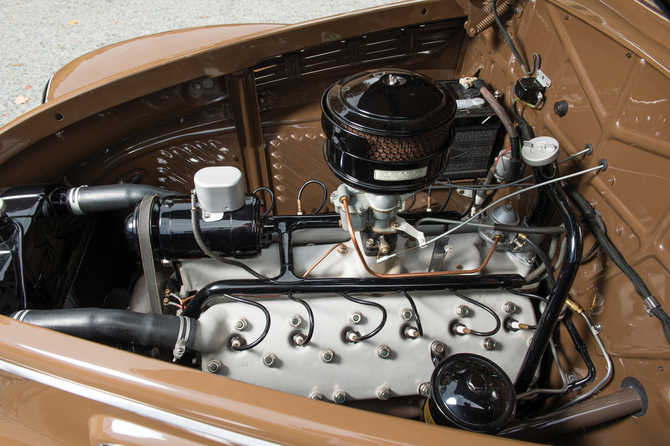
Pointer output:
x,y
608,247
581,347
559,293
544,258
97,324
110,197
546,230
515,169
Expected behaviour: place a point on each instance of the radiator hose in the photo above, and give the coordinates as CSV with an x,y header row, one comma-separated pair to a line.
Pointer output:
x,y
96,324
85,200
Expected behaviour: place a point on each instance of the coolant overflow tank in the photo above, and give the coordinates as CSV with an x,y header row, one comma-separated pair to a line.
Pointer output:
x,y
388,131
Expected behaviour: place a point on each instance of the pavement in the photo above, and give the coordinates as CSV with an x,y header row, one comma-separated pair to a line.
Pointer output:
x,y
37,37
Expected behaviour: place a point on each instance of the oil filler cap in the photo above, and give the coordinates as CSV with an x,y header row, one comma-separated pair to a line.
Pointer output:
x,y
540,151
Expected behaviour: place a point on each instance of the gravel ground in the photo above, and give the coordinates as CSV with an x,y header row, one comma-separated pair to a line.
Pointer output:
x,y
38,37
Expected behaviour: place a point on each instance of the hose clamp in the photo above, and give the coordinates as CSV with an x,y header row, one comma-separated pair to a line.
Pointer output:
x,y
182,339
20,315
73,200
650,303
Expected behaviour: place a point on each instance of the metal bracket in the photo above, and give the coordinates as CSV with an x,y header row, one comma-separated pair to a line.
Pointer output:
x,y
543,79
401,225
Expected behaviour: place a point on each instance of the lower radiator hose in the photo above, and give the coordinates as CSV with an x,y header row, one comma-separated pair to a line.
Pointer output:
x,y
96,324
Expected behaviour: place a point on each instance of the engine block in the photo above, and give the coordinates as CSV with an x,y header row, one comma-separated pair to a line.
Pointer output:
x,y
330,365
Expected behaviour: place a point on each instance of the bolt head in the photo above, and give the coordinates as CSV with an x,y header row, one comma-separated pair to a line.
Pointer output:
x,y
509,307
342,249
355,317
214,365
383,351
383,393
369,243
462,311
598,327
437,347
241,324
269,359
489,343
395,225
340,396
406,314
327,355
424,389
316,396
295,321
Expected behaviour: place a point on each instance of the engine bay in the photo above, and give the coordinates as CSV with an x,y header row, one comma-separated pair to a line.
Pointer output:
x,y
423,268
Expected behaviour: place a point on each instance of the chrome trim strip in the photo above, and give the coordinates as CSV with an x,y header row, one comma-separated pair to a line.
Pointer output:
x,y
196,427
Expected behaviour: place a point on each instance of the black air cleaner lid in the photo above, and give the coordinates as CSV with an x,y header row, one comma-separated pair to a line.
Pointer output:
x,y
390,100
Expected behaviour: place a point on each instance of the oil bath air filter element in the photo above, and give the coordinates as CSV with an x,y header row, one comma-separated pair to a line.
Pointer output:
x,y
470,392
387,131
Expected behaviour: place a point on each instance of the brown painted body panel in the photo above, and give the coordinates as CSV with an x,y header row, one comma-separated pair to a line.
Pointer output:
x,y
609,60
132,55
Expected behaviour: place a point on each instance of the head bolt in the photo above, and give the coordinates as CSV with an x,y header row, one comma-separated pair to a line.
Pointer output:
x,y
352,336
370,243
214,365
355,317
342,249
241,324
327,355
406,314
489,343
339,396
383,351
269,359
383,393
317,396
437,348
462,311
295,321
509,307
424,389
237,341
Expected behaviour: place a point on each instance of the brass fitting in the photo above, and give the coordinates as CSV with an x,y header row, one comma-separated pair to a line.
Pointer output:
x,y
574,306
